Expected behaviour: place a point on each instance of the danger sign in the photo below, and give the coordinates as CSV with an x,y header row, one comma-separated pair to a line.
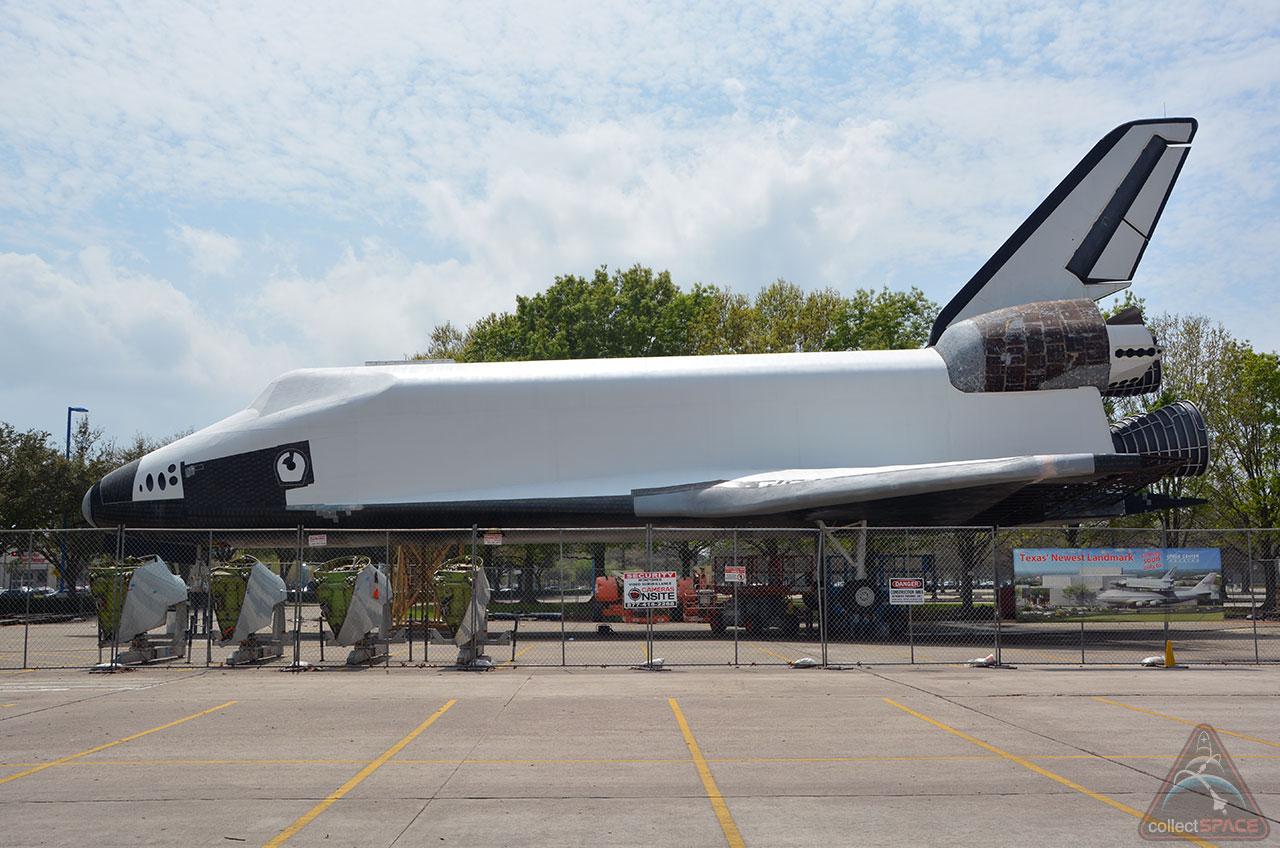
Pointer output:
x,y
735,574
906,590
649,589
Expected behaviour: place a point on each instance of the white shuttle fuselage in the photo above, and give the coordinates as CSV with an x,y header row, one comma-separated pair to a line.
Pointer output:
x,y
597,428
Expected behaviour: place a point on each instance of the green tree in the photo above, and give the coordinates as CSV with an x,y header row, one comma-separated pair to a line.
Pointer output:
x,y
722,325
1245,486
638,312
447,342
883,320
786,319
42,488
629,313
34,479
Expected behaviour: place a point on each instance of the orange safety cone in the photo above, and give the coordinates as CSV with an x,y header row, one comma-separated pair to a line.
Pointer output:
x,y
1168,654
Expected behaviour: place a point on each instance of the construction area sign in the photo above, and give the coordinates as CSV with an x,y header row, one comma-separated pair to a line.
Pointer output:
x,y
649,589
735,574
1204,797
906,590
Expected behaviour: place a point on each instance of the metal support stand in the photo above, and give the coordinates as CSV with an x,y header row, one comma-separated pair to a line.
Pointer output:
x,y
471,656
374,647
173,645
258,648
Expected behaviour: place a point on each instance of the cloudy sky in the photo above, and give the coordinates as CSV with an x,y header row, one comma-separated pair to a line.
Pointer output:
x,y
194,200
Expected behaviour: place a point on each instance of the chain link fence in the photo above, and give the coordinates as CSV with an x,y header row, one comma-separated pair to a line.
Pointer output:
x,y
742,597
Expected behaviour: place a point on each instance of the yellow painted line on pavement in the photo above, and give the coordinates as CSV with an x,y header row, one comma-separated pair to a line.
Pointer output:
x,y
2,706
786,660
1020,651
517,656
19,671
730,829
112,744
286,834
1184,721
918,657
1097,796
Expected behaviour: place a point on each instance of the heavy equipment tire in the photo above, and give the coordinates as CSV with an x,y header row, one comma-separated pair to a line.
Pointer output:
x,y
862,596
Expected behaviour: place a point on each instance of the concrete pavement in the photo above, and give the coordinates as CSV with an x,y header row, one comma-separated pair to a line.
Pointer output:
x,y
614,757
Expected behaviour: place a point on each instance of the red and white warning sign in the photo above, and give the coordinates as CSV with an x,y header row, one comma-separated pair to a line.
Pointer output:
x,y
735,574
906,590
648,589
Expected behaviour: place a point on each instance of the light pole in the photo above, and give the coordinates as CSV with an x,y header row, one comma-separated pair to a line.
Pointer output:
x,y
62,572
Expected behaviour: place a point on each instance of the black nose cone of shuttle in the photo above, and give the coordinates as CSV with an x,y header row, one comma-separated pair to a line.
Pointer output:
x,y
110,500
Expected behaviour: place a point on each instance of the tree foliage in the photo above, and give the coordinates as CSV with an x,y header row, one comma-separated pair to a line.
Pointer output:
x,y
1246,485
629,313
638,312
40,486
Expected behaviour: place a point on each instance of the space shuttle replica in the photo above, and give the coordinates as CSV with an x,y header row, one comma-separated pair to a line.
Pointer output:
x,y
998,420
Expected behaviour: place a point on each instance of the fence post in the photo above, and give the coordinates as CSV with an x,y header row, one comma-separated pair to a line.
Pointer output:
x,y
564,655
737,615
26,619
297,604
476,637
115,635
821,593
208,606
1253,599
997,592
648,548
911,632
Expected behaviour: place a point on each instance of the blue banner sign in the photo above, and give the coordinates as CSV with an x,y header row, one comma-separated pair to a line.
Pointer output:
x,y
1149,562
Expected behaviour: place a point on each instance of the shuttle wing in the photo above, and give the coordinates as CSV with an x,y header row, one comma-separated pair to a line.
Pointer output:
x,y
963,491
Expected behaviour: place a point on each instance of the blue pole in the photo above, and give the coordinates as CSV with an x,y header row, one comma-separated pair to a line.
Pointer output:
x,y
62,572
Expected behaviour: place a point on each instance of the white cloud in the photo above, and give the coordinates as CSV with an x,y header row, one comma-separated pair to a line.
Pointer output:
x,y
469,153
373,304
133,349
212,254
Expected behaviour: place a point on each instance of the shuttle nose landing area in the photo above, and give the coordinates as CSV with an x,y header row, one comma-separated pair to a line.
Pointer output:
x,y
575,756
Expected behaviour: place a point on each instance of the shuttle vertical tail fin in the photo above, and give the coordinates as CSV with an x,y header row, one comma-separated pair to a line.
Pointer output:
x,y
1087,237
